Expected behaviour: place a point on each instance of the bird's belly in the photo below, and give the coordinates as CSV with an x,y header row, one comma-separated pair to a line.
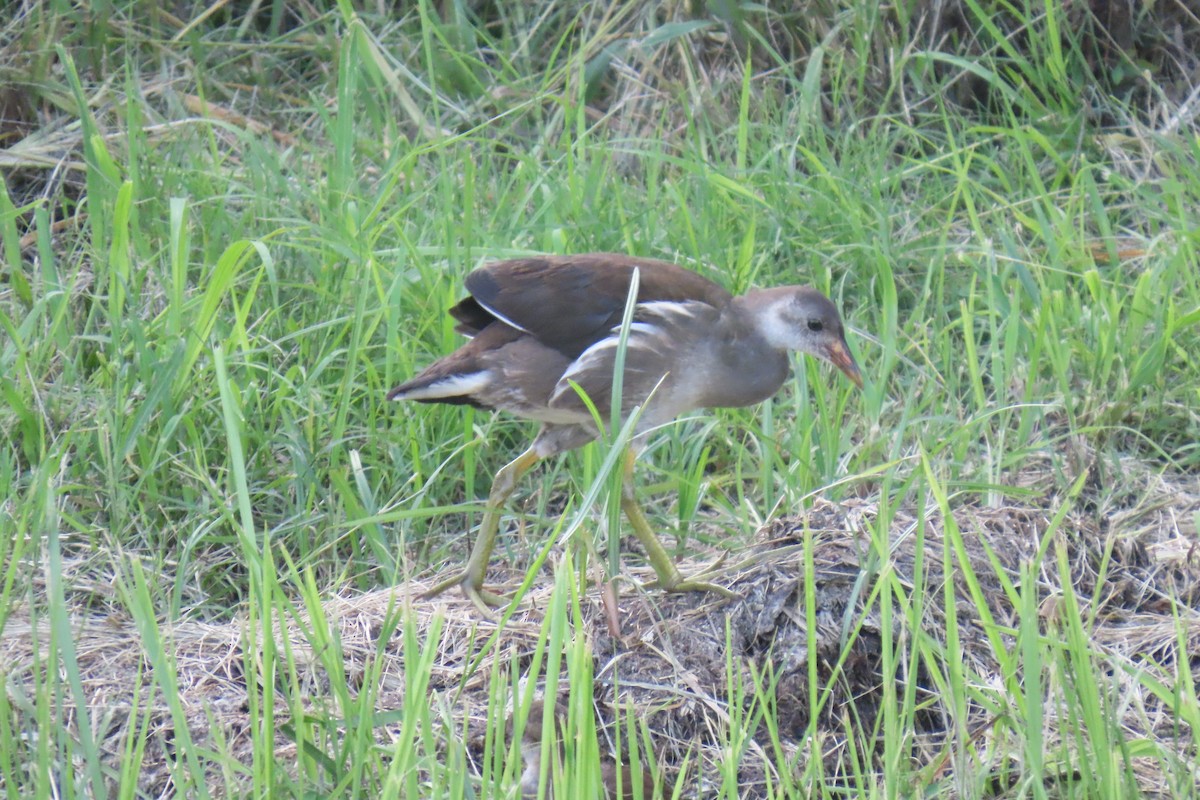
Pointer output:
x,y
554,416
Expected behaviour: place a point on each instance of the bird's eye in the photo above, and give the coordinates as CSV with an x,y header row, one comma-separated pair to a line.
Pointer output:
x,y
815,325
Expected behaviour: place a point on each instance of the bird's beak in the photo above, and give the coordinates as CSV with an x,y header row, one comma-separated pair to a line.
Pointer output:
x,y
839,355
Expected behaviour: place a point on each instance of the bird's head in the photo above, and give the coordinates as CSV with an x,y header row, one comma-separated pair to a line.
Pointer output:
x,y
800,318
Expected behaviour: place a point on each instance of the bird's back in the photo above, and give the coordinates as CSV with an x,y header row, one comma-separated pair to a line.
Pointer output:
x,y
569,303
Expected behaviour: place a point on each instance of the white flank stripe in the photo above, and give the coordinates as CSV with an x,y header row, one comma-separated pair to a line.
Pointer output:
x,y
453,386
643,328
589,356
669,308
598,356
501,317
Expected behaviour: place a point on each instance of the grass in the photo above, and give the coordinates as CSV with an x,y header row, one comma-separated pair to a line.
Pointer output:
x,y
225,235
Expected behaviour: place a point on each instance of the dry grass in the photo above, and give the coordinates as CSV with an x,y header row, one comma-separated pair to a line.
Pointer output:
x,y
239,132
671,660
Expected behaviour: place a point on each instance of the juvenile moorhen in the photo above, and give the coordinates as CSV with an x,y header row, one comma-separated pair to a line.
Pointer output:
x,y
537,325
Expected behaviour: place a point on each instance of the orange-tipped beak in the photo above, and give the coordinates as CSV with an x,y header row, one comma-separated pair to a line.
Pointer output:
x,y
839,355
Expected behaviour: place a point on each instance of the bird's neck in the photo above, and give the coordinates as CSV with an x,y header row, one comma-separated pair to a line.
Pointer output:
x,y
746,369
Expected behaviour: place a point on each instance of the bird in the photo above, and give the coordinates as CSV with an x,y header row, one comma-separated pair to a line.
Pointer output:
x,y
544,331
617,780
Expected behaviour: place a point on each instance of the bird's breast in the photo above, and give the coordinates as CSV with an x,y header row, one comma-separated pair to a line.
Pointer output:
x,y
741,374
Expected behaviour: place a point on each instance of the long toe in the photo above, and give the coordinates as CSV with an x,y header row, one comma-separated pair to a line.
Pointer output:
x,y
702,586
677,583
717,563
472,588
458,579
487,602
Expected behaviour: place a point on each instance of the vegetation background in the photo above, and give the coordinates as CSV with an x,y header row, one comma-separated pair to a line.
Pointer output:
x,y
228,228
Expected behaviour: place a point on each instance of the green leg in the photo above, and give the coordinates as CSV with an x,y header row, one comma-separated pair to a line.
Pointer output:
x,y
470,578
669,578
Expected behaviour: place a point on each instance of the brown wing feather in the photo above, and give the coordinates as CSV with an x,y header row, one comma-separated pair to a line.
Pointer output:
x,y
654,349
571,302
472,317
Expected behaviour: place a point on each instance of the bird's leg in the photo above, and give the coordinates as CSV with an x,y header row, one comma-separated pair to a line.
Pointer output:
x,y
669,578
470,578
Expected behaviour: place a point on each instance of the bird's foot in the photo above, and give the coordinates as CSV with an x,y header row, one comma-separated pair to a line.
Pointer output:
x,y
675,582
700,586
717,563
472,587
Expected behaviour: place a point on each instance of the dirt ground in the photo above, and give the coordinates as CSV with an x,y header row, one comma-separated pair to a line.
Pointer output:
x,y
1135,567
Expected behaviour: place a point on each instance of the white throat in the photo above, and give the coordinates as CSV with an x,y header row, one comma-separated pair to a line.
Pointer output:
x,y
773,328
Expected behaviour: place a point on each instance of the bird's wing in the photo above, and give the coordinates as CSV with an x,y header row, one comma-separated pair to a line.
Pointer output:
x,y
658,343
571,302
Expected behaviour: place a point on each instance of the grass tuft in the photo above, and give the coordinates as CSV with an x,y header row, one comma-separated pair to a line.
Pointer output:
x,y
225,232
